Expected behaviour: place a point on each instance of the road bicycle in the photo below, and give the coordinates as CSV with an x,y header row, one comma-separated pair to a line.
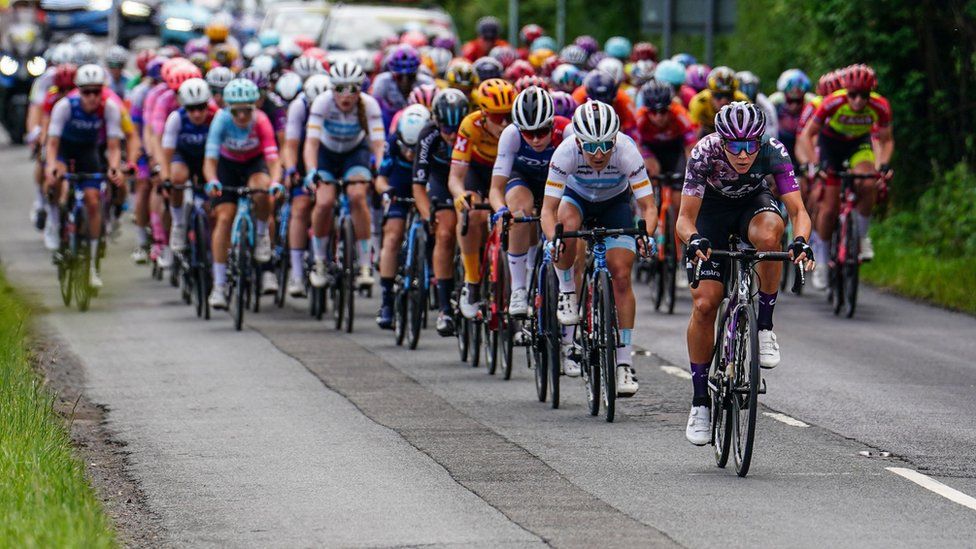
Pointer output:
x,y
596,333
664,272
73,258
845,247
735,380
243,281
470,331
195,263
412,284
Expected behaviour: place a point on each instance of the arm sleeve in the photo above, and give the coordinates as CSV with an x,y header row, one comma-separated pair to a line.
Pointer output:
x,y
883,108
216,135
172,130
689,132
826,108
313,127
266,135
374,119
296,117
781,167
113,120
508,146
421,162
562,161
696,171
160,111
59,117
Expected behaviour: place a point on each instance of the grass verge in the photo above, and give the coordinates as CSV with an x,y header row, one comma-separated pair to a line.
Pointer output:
x,y
45,498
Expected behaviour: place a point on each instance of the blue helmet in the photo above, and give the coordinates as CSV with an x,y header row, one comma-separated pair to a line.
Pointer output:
x,y
670,71
600,86
544,43
403,60
269,37
241,90
793,82
685,59
617,46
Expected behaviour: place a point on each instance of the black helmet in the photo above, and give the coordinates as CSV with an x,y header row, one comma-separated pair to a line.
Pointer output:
x,y
450,107
489,27
656,94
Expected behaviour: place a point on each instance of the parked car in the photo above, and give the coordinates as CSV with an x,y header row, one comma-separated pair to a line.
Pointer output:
x,y
71,16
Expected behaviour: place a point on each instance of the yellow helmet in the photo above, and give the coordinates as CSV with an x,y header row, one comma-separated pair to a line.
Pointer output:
x,y
461,75
538,57
217,31
496,96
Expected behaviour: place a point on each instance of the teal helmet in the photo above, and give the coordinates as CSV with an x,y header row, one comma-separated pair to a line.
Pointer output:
x,y
544,43
618,46
269,37
241,90
671,72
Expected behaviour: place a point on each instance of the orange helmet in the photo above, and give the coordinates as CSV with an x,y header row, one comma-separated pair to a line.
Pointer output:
x,y
496,96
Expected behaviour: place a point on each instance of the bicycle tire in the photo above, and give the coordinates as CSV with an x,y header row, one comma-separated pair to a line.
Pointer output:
x,y
339,289
605,311
417,300
199,265
670,266
64,275
81,278
474,346
836,273
505,325
282,271
591,362
240,290
851,268
553,336
400,316
489,319
349,267
745,396
721,408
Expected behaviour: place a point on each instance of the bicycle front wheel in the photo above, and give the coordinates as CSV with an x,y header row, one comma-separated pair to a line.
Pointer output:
x,y
553,335
852,266
241,266
417,300
605,323
745,388
718,391
349,268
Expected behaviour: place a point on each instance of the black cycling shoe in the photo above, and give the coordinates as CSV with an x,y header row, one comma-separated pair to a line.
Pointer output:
x,y
384,318
445,325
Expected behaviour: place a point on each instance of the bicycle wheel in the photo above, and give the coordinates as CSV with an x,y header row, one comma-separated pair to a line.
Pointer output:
x,y
400,315
417,300
81,278
588,342
553,334
63,262
241,267
745,388
491,319
851,267
339,290
670,266
836,294
605,325
349,268
282,276
718,392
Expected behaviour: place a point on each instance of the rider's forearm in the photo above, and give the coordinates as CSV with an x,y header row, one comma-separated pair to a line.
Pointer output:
x,y
379,147
210,169
164,165
887,150
805,152
421,200
455,181
274,168
550,206
52,150
311,154
289,154
648,212
496,196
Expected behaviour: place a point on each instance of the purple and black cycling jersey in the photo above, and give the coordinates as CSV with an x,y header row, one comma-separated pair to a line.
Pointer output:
x,y
709,169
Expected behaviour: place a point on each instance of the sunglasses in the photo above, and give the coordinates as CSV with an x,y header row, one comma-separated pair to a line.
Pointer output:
x,y
236,111
722,96
499,118
735,147
537,133
91,91
860,94
794,99
447,129
658,110
195,108
593,148
347,88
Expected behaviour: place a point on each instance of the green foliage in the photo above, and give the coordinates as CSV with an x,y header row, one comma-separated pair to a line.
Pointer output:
x,y
45,499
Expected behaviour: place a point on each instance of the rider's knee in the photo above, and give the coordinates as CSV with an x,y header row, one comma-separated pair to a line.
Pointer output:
x,y
704,306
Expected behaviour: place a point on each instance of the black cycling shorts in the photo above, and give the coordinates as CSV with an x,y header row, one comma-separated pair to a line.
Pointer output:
x,y
478,178
232,173
720,217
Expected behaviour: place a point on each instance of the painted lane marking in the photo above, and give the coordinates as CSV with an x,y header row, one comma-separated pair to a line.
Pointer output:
x,y
783,418
676,372
933,485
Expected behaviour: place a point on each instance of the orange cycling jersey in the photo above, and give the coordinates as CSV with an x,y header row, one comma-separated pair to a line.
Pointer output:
x,y
622,105
679,126
807,113
474,142
840,121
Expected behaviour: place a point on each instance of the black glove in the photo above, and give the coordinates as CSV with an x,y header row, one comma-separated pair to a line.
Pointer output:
x,y
800,246
697,243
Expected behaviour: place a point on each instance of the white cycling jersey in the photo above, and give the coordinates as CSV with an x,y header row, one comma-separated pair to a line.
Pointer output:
x,y
341,132
626,168
297,118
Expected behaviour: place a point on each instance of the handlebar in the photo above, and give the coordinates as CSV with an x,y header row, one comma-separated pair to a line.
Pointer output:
x,y
466,213
754,255
591,235
76,176
508,219
674,179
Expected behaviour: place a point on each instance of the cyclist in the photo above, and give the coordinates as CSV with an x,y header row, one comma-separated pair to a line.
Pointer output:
x,y
73,136
592,180
792,95
749,84
345,127
137,98
725,192
527,35
294,165
433,199
722,89
240,151
218,78
602,86
845,122
666,132
518,184
489,29
394,179
391,89
460,75
470,179
183,147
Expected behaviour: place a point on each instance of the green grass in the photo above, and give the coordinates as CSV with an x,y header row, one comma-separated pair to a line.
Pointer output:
x,y
45,498
916,273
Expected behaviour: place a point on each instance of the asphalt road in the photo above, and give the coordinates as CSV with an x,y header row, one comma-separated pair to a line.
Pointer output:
x,y
290,434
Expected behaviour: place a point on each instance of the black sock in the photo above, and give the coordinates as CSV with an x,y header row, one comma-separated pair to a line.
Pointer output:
x,y
387,285
766,304
445,287
474,291
699,380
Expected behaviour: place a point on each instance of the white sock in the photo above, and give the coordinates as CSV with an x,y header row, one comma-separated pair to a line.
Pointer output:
x,y
567,279
863,223
40,199
530,260
567,335
297,263
319,246
220,274
53,215
94,253
261,227
177,213
623,354
363,259
516,266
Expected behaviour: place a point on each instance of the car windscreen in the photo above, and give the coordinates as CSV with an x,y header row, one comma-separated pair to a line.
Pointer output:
x,y
350,30
291,23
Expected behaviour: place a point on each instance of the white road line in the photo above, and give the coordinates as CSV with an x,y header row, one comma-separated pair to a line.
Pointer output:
x,y
783,418
676,372
933,485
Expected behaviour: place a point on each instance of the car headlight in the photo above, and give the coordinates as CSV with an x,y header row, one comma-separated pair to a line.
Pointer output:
x,y
131,8
178,24
8,65
99,5
36,66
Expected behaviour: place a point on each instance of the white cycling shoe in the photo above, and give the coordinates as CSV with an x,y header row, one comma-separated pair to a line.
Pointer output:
x,y
820,276
768,349
567,309
262,248
867,249
165,259
95,280
518,304
468,310
52,238
698,431
269,283
365,276
177,237
296,288
140,256
626,381
217,299
570,354
318,277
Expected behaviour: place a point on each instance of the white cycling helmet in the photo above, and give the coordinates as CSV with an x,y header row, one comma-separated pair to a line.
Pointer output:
x,y
263,63
90,75
251,49
595,122
61,54
441,57
533,109
346,72
116,55
613,67
288,86
412,121
307,65
194,91
219,77
315,85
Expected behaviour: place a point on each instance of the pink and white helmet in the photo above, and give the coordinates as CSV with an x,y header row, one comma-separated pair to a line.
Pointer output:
x,y
739,121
